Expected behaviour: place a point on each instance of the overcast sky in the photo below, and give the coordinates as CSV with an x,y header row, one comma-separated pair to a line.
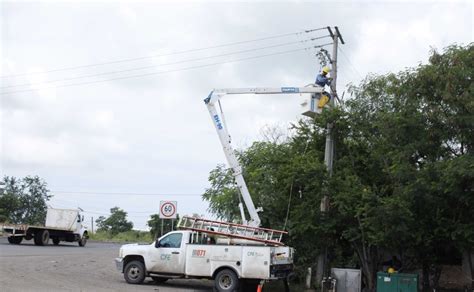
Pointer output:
x,y
153,134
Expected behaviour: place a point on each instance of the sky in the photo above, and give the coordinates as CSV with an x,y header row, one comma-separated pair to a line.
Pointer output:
x,y
70,114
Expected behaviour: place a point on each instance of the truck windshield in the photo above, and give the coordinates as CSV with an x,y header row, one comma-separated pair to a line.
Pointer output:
x,y
172,240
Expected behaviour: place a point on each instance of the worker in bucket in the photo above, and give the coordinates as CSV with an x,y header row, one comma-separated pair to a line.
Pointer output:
x,y
322,80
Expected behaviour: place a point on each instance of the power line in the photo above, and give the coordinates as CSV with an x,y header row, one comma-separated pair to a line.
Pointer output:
x,y
169,71
126,193
165,64
69,204
164,55
350,63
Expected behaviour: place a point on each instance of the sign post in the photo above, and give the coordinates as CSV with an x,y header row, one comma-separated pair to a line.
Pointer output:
x,y
168,210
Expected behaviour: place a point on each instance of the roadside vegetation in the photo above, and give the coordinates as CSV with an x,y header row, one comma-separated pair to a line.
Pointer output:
x,y
116,228
23,201
127,236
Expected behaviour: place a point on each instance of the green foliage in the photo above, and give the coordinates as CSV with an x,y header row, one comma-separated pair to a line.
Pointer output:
x,y
155,225
116,223
403,176
24,200
223,197
127,236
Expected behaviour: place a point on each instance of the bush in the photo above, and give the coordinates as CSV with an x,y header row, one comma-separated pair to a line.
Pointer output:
x,y
128,236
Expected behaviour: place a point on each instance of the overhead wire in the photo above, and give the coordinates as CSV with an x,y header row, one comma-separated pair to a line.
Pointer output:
x,y
166,64
170,71
350,63
125,193
72,205
163,55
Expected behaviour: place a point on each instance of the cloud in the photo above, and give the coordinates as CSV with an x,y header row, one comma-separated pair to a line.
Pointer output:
x,y
154,134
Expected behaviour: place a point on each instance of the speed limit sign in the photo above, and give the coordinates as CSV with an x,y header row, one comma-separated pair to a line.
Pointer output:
x,y
168,209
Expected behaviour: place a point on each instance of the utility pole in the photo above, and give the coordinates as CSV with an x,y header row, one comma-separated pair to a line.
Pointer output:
x,y
322,268
92,225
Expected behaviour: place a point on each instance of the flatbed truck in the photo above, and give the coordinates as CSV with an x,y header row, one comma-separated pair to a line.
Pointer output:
x,y
61,225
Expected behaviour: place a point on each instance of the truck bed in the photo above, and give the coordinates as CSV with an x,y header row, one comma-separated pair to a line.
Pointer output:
x,y
22,228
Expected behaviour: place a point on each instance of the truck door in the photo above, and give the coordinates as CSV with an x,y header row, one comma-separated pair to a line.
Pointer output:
x,y
78,222
169,255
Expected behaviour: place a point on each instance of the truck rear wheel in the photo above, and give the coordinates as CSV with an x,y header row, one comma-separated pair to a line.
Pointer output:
x,y
226,281
42,237
15,239
134,272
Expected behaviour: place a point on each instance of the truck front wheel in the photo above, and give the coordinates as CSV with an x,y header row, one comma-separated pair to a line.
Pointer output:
x,y
226,281
134,272
15,239
83,241
42,237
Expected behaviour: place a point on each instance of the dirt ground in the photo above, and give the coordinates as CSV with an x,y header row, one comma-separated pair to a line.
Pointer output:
x,y
68,267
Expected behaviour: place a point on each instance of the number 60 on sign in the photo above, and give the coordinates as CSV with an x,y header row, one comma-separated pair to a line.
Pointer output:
x,y
168,209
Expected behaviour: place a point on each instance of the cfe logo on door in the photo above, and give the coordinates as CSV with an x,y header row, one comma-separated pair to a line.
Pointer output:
x,y
168,209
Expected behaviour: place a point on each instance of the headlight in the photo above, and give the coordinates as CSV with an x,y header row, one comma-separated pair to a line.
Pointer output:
x,y
121,253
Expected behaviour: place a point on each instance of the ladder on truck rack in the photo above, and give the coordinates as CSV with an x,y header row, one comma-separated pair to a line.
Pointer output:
x,y
233,230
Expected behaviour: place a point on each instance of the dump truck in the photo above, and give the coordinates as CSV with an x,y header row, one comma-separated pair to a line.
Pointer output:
x,y
61,225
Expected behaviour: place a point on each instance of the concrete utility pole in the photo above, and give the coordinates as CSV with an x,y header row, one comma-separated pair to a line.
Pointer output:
x,y
92,225
329,150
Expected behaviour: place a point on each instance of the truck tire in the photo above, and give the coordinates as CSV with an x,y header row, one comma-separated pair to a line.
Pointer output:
x,y
42,237
15,239
226,281
56,240
159,279
134,272
82,241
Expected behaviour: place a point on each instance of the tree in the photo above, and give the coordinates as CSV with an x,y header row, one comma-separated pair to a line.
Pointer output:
x,y
155,225
24,200
100,221
411,127
402,180
115,223
286,180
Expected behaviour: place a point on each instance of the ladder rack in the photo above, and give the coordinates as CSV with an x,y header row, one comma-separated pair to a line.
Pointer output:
x,y
233,230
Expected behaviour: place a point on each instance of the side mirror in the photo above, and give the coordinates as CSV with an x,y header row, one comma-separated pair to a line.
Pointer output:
x,y
157,243
82,218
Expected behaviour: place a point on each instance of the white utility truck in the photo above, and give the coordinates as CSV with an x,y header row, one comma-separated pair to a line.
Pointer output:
x,y
61,225
231,262
232,254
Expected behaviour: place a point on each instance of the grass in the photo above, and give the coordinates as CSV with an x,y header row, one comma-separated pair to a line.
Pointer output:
x,y
129,236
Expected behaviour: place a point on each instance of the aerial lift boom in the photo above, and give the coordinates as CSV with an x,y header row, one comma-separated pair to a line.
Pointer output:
x,y
224,137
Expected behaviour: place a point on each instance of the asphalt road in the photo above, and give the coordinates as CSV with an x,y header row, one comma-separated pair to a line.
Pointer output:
x,y
68,267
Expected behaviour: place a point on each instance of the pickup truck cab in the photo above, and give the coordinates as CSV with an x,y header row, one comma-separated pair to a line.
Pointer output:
x,y
190,254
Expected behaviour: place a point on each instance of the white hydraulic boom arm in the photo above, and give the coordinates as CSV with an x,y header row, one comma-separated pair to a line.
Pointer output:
x,y
218,119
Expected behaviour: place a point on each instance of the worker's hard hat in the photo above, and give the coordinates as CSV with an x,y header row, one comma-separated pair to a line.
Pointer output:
x,y
391,270
326,69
